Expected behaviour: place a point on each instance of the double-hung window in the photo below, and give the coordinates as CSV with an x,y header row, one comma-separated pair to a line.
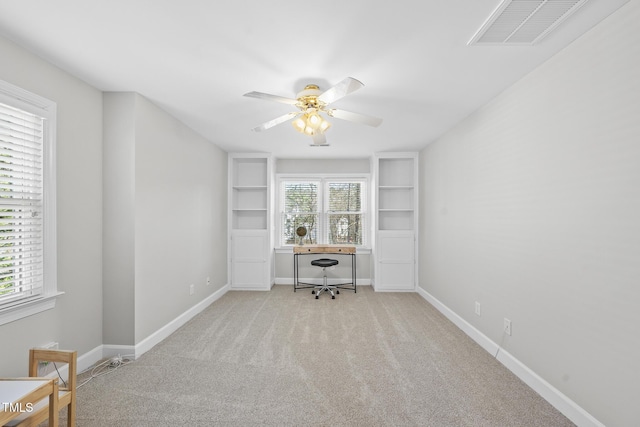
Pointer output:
x,y
328,210
27,203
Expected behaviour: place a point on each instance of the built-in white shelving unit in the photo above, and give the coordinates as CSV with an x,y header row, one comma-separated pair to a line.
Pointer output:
x,y
395,246
250,228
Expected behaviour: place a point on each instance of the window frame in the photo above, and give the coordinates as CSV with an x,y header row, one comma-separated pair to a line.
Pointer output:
x,y
19,98
323,181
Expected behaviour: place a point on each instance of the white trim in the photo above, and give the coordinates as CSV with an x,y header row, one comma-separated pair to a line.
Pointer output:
x,y
90,358
162,333
42,107
28,308
110,350
555,397
323,179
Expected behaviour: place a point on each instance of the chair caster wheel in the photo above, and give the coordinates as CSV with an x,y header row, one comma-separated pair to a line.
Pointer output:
x,y
316,296
338,292
313,292
333,297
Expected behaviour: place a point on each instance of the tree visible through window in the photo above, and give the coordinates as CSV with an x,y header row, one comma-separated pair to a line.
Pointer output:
x,y
345,213
300,210
332,211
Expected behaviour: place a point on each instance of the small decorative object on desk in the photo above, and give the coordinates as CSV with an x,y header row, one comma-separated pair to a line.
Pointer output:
x,y
301,232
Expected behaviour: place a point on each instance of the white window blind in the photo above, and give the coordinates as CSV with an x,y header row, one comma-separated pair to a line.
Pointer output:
x,y
300,209
21,205
345,213
332,209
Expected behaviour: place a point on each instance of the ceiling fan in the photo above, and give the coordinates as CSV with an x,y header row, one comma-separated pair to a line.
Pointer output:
x,y
311,101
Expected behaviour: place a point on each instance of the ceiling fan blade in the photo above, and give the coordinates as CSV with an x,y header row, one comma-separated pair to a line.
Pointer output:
x,y
354,117
319,139
274,122
270,97
345,87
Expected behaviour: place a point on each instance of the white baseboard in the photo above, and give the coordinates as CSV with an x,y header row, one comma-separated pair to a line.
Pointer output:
x,y
135,351
162,333
126,351
88,359
318,281
561,402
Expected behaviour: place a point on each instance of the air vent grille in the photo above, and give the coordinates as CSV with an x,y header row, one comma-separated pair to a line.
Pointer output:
x,y
524,21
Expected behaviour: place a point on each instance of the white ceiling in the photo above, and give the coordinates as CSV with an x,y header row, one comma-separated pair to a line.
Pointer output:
x,y
196,58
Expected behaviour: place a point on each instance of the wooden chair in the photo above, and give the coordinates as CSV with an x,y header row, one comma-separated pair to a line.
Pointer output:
x,y
66,393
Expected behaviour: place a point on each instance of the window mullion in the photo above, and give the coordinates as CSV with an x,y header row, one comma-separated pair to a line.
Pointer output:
x,y
323,214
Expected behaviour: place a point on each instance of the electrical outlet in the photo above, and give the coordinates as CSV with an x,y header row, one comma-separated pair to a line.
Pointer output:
x,y
507,326
478,308
43,363
192,289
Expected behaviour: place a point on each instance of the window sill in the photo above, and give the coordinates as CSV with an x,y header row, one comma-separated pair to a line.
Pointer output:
x,y
289,250
11,314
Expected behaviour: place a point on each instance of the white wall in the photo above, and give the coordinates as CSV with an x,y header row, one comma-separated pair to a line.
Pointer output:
x,y
531,207
166,216
323,166
307,272
119,218
76,321
180,218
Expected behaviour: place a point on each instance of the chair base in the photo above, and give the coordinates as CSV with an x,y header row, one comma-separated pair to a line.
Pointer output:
x,y
325,288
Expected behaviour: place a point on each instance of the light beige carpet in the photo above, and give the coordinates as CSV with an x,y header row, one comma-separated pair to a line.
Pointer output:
x,y
281,358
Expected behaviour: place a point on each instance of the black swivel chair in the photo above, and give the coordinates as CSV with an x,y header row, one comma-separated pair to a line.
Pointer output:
x,y
324,263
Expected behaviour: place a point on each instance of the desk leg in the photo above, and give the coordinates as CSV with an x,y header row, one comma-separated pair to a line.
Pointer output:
x,y
295,272
353,271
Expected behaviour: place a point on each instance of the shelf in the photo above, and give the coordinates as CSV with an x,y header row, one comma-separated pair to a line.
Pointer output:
x,y
249,197
250,253
395,219
246,219
395,198
395,267
395,172
250,172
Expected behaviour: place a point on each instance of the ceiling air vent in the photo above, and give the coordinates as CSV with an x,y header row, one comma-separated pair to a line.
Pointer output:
x,y
524,21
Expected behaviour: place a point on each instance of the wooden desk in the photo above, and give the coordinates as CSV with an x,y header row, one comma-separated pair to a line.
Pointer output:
x,y
19,395
324,250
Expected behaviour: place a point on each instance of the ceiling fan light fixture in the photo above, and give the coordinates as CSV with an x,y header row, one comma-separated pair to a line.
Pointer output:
x,y
324,125
310,123
314,120
299,124
311,102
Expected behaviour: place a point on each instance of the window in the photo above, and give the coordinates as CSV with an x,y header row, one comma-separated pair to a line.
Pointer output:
x,y
332,209
27,203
